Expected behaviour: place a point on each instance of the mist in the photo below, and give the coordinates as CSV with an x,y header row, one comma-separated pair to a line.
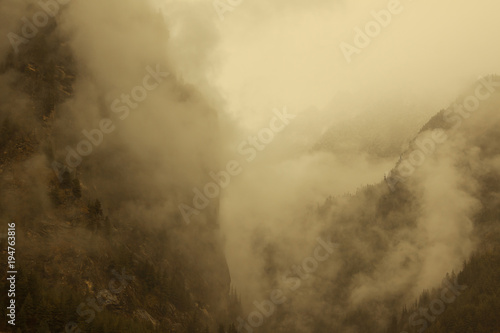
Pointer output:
x,y
287,53
219,85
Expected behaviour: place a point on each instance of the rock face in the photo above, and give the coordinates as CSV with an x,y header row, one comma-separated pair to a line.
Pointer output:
x,y
101,244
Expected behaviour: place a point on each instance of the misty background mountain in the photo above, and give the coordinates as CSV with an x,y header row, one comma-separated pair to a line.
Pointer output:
x,y
102,245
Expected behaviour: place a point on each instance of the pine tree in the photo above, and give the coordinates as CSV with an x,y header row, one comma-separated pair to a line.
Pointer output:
x,y
66,180
97,208
76,188
95,215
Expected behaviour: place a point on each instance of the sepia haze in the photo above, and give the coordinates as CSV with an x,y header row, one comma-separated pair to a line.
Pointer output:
x,y
321,176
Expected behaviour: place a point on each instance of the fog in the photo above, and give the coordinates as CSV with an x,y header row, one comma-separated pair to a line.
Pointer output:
x,y
349,123
287,53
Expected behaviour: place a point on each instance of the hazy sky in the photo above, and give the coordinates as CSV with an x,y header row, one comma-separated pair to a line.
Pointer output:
x,y
287,52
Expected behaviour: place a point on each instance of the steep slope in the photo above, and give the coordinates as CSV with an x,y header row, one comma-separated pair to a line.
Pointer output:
x,y
101,246
437,208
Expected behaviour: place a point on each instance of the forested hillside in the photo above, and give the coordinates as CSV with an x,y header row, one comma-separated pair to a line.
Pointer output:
x,y
91,256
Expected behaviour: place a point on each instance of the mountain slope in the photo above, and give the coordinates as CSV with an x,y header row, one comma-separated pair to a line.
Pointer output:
x,y
98,247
